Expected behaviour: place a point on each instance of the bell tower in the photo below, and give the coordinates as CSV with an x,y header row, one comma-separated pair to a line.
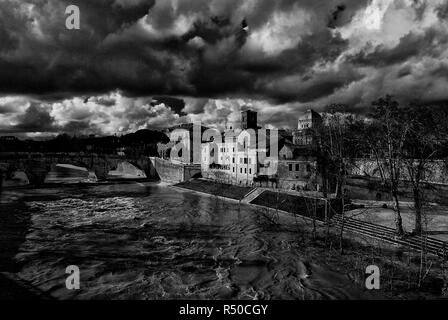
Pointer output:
x,y
249,120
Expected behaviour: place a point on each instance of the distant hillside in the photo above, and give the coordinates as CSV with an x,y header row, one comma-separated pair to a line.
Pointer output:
x,y
145,136
142,142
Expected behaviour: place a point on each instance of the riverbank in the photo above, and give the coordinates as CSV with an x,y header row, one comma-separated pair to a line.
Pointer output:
x,y
404,274
308,207
215,188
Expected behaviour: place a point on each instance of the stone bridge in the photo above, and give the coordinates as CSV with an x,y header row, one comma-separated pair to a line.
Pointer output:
x,y
37,165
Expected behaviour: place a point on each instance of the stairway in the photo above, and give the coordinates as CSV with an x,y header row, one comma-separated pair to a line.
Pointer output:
x,y
251,195
416,242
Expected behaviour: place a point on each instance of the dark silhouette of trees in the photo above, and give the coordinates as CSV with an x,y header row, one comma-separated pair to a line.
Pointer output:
x,y
403,141
427,132
335,149
143,142
339,140
386,136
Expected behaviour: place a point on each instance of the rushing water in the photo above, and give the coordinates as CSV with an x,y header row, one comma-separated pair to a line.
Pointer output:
x,y
150,241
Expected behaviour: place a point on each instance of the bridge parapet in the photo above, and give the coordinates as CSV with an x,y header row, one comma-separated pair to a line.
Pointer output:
x,y
37,165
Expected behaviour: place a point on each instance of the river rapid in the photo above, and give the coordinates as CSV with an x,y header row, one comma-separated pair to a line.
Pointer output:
x,y
151,241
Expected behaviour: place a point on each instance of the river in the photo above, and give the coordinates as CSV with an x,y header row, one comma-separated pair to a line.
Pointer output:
x,y
151,241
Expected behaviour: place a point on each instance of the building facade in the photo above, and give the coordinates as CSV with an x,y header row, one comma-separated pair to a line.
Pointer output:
x,y
238,161
230,161
307,128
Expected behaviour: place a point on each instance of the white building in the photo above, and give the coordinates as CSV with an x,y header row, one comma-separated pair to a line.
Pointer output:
x,y
232,161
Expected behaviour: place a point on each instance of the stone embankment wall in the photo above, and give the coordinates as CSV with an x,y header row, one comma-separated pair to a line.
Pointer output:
x,y
222,176
365,182
174,172
437,170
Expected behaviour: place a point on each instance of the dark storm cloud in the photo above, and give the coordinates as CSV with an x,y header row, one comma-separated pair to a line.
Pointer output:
x,y
35,119
148,63
409,46
105,101
113,50
52,59
404,71
8,41
75,127
442,11
195,106
7,108
335,16
313,86
177,105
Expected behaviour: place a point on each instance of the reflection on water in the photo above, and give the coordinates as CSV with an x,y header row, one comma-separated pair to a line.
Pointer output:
x,y
149,241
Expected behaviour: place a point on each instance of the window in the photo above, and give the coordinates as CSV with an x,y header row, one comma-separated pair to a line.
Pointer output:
x,y
250,171
297,167
290,167
233,169
233,160
241,170
245,170
245,160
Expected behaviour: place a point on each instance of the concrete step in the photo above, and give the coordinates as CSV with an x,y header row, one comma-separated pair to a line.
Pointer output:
x,y
252,195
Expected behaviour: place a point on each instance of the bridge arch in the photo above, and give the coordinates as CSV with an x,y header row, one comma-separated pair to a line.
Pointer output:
x,y
127,170
13,177
68,172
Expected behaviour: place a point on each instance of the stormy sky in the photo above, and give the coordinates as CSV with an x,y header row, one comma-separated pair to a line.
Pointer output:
x,y
138,64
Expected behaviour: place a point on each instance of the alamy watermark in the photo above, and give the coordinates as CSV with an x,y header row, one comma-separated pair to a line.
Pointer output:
x,y
72,282
373,278
73,21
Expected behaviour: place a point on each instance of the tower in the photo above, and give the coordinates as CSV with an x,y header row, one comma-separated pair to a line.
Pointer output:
x,y
249,120
310,119
307,127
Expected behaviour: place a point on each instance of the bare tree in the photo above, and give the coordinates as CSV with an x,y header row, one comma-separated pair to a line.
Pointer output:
x,y
386,136
427,130
334,152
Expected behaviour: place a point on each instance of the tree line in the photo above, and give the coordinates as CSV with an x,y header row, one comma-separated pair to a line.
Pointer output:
x,y
401,139
142,142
